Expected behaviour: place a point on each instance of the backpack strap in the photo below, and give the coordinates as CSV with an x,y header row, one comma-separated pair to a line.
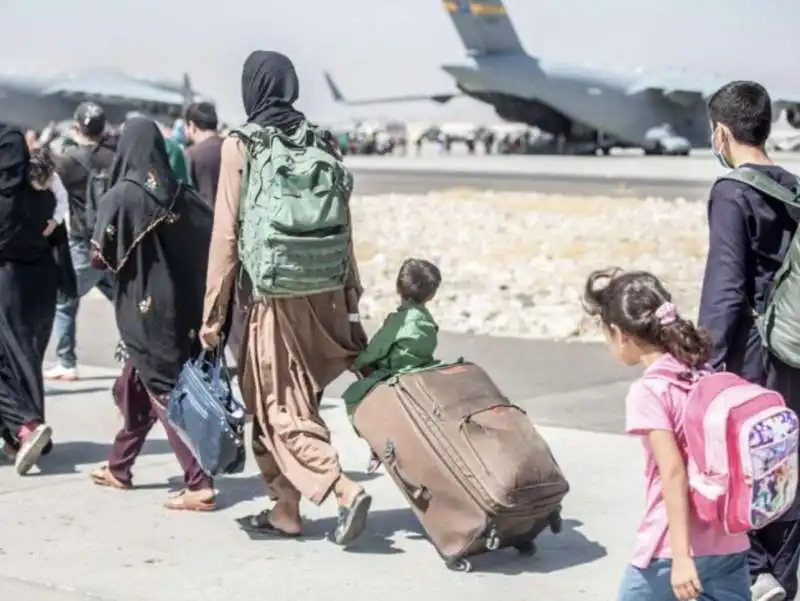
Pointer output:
x,y
766,185
83,156
245,132
788,196
683,383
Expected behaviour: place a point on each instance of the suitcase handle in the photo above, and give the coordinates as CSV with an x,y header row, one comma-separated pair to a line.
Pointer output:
x,y
468,418
417,493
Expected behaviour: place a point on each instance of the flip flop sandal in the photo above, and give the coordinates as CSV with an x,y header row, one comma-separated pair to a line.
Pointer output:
x,y
259,523
104,477
352,520
181,501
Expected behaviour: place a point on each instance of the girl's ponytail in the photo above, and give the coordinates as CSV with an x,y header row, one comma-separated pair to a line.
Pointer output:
x,y
680,338
638,304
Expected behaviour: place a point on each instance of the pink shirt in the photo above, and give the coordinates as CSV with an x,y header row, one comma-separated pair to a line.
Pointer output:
x,y
654,405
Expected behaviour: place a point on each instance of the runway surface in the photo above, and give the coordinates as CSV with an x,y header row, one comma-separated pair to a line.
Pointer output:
x,y
623,175
409,181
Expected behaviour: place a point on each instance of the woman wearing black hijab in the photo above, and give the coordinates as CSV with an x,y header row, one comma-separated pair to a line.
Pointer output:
x,y
28,283
152,234
293,347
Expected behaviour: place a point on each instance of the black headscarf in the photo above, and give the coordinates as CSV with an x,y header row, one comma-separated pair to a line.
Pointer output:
x,y
143,192
142,158
154,235
23,210
269,90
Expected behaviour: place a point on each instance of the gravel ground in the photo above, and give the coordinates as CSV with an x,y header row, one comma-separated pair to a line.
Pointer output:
x,y
514,264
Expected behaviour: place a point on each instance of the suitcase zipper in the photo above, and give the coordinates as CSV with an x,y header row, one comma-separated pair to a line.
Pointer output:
x,y
478,489
497,505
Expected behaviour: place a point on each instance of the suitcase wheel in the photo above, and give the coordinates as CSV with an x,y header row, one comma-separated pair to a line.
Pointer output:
x,y
527,548
459,565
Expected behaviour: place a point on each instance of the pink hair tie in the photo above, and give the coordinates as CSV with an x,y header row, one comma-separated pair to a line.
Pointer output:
x,y
667,314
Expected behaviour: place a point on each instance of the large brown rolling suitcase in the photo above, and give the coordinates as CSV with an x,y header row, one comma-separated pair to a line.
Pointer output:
x,y
472,466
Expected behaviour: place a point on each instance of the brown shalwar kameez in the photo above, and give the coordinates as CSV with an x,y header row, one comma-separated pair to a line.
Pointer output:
x,y
292,349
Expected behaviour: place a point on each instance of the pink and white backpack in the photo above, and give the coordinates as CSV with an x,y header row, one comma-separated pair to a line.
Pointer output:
x,y
742,450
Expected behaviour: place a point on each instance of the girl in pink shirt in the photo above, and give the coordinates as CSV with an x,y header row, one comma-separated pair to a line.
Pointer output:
x,y
676,556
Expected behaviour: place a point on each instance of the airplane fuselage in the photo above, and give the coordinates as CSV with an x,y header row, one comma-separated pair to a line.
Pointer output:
x,y
572,101
22,104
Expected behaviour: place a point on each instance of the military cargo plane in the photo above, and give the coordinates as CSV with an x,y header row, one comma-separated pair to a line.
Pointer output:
x,y
34,102
661,113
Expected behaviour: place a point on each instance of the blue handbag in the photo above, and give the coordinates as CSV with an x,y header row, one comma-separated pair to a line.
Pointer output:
x,y
207,416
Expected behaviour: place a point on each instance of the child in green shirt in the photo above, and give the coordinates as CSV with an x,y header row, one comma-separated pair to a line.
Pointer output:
x,y
407,339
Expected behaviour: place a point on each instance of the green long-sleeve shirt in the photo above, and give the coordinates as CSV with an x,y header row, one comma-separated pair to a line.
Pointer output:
x,y
177,161
406,341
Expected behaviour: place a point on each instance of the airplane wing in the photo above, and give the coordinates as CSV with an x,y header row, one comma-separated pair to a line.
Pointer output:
x,y
680,90
674,88
112,86
782,101
339,98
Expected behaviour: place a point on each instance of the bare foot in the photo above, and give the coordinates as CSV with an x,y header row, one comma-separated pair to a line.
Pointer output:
x,y
286,517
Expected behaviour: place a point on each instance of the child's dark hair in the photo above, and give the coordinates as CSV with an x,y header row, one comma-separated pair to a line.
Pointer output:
x,y
42,165
418,280
639,305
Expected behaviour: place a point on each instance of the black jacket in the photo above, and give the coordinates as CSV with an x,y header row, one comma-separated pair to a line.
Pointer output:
x,y
73,172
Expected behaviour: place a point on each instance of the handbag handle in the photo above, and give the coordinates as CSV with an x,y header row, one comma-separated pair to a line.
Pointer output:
x,y
219,365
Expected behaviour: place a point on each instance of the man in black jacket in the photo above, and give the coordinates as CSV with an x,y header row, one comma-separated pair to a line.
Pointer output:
x,y
749,235
92,155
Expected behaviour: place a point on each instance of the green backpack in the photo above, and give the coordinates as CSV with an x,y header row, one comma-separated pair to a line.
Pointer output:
x,y
294,218
779,324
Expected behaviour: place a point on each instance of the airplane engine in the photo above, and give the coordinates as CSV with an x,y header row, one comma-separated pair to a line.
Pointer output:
x,y
793,116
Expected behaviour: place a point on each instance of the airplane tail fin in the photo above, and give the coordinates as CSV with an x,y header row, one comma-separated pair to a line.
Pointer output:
x,y
187,90
336,93
484,26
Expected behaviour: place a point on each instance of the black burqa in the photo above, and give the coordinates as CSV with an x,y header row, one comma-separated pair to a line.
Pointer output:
x,y
153,235
269,90
28,281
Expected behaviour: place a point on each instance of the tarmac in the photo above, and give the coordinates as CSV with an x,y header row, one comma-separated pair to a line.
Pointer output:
x,y
624,174
62,539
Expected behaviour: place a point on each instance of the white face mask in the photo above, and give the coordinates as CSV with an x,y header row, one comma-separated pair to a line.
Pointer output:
x,y
718,153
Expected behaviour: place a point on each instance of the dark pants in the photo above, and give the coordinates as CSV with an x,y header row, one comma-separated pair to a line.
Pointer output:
x,y
775,549
141,412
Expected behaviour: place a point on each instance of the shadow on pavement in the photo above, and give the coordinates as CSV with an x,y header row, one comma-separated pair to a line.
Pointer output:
x,y
385,528
74,391
376,539
356,476
67,456
553,552
233,491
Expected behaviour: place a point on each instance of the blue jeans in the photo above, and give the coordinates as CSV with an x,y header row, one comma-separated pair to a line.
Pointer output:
x,y
87,277
724,578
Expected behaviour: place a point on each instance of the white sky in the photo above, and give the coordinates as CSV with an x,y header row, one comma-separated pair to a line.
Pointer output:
x,y
387,47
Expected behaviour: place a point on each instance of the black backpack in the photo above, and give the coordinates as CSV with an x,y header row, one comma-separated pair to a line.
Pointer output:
x,y
98,181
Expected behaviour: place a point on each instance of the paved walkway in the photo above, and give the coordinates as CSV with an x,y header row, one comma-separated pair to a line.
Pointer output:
x,y
61,539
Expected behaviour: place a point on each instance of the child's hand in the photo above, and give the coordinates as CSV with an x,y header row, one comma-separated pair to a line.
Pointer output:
x,y
684,579
51,226
358,334
366,371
